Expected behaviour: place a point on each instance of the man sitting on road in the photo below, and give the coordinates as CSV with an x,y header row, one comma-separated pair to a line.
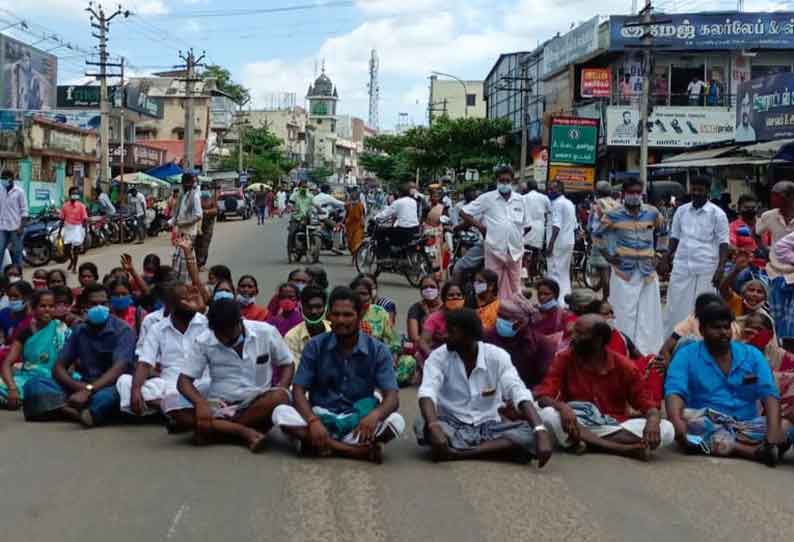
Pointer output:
x,y
165,345
712,393
463,386
313,303
240,355
100,350
340,371
587,392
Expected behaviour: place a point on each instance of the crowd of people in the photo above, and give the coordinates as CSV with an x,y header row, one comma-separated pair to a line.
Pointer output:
x,y
502,372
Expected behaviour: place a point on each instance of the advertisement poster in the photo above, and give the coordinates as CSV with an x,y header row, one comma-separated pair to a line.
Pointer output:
x,y
765,109
596,83
540,164
575,178
630,81
573,141
568,48
704,31
28,76
675,127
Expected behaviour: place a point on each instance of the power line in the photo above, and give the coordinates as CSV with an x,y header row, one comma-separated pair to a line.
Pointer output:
x,y
246,12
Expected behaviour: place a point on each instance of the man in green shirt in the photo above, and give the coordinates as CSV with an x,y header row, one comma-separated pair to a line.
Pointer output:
x,y
302,202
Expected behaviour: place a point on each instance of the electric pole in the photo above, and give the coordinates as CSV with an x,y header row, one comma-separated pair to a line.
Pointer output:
x,y
647,42
121,119
101,22
191,63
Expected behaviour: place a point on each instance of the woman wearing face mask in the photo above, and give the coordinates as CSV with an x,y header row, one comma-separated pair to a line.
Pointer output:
x,y
417,314
36,345
434,330
530,351
289,313
74,216
548,317
13,272
376,321
16,314
299,279
247,290
753,292
122,305
486,286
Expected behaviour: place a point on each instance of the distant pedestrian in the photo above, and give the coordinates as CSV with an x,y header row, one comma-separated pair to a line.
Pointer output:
x,y
138,203
281,202
74,216
186,221
106,207
559,250
260,202
13,210
209,209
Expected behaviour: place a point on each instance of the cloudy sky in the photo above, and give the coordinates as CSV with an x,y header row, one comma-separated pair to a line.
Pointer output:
x,y
273,46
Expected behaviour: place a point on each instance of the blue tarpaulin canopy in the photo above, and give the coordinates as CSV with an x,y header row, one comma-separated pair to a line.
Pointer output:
x,y
165,171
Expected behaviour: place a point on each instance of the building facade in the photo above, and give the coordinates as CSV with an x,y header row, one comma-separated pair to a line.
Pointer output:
x,y
290,125
456,99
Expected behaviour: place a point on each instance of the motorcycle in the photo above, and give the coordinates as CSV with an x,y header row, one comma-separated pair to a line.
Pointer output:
x,y
158,222
582,270
124,227
307,239
332,234
96,234
37,247
411,260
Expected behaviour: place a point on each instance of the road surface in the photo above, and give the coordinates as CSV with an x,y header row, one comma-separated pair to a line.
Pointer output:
x,y
136,483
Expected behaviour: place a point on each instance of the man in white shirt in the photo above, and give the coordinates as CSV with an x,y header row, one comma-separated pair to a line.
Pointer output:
x,y
538,208
699,245
325,201
138,203
106,206
559,250
186,221
240,355
405,213
13,210
463,386
165,345
501,217
695,91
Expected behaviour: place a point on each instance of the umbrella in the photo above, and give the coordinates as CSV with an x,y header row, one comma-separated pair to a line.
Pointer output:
x,y
141,178
256,187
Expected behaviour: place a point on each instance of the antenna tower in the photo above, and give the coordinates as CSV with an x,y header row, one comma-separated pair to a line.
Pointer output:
x,y
374,91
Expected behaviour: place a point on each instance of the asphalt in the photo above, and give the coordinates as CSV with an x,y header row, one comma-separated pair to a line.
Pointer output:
x,y
59,482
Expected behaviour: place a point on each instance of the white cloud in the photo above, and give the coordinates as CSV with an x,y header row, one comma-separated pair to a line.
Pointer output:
x,y
396,7
74,9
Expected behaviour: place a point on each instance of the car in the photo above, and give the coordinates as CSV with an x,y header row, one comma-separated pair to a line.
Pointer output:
x,y
233,202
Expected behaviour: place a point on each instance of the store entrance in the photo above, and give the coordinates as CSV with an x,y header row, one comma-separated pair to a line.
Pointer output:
x,y
680,78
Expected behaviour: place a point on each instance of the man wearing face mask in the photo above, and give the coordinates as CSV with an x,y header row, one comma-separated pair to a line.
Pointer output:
x,y
186,221
635,242
698,251
101,349
405,212
502,218
13,212
587,393
559,249
302,203
313,302
240,356
166,345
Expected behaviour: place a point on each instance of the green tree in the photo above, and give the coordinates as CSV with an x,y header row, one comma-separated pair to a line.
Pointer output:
x,y
223,77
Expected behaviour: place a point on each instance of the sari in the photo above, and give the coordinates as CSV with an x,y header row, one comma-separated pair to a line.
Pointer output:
x,y
39,353
377,324
354,225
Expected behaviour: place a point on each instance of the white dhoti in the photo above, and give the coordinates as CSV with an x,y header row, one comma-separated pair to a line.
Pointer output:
x,y
559,270
682,291
638,310
635,426
155,389
73,234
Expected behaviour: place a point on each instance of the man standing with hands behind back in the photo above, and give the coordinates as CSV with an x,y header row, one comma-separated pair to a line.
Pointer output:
x,y
186,221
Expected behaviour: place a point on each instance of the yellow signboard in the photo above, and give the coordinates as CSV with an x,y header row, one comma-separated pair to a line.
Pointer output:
x,y
575,178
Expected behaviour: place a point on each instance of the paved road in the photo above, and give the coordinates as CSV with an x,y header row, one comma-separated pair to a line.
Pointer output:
x,y
60,482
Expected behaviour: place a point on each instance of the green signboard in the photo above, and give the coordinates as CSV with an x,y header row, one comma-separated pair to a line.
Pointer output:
x,y
83,96
573,141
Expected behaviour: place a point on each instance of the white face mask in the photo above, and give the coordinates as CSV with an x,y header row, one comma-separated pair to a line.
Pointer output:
x,y
430,294
480,287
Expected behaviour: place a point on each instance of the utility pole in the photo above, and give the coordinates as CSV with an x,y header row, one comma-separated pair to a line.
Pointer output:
x,y
647,42
191,63
101,22
121,119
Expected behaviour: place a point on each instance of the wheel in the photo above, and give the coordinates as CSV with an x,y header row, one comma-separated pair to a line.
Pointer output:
x,y
418,266
366,261
38,253
592,276
115,233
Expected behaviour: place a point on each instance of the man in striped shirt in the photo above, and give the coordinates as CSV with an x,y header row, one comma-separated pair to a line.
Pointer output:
x,y
636,237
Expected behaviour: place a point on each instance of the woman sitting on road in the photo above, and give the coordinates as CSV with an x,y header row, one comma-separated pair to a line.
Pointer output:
x,y
388,304
123,306
486,286
376,321
247,290
55,278
297,278
434,331
417,314
754,292
37,345
548,317
288,315
16,314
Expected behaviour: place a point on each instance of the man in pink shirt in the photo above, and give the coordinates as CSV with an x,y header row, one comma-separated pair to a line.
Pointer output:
x,y
74,216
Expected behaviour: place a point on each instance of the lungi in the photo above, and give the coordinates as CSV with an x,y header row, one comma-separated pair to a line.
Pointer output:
x,y
462,436
288,416
224,410
638,310
683,289
508,271
715,433
559,270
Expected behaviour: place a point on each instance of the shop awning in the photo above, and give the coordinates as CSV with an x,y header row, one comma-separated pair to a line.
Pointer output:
x,y
719,162
706,154
141,178
165,171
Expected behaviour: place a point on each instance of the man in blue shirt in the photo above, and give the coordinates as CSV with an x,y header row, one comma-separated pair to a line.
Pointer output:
x,y
341,370
712,392
100,350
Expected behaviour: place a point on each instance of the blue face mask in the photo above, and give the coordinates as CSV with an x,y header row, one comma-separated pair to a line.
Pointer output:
x,y
222,295
549,305
16,305
98,315
505,328
121,303
157,305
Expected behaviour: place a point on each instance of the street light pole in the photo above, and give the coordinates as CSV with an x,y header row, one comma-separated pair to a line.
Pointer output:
x,y
465,91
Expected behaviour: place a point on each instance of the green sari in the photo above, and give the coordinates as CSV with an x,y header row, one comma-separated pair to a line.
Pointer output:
x,y
39,354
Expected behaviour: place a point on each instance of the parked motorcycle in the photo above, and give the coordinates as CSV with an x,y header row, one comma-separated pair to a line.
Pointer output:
x,y
156,221
307,240
410,260
36,243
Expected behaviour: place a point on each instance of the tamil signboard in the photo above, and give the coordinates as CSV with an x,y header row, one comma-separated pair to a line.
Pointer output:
x,y
722,30
567,49
28,76
82,96
573,141
596,83
765,109
674,127
574,178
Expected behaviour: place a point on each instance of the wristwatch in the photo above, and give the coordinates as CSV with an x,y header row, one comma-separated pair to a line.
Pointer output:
x,y
89,388
540,427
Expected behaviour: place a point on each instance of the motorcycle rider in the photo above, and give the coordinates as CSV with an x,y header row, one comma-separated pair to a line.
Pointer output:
x,y
405,211
302,203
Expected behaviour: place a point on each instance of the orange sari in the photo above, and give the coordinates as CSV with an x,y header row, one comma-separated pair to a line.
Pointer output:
x,y
354,225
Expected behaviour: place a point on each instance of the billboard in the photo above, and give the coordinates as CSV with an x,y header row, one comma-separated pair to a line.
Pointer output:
x,y
704,31
84,96
567,49
28,76
136,98
540,164
765,109
596,83
675,127
573,141
575,178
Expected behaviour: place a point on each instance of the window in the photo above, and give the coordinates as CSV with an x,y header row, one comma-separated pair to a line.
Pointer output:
x,y
471,100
